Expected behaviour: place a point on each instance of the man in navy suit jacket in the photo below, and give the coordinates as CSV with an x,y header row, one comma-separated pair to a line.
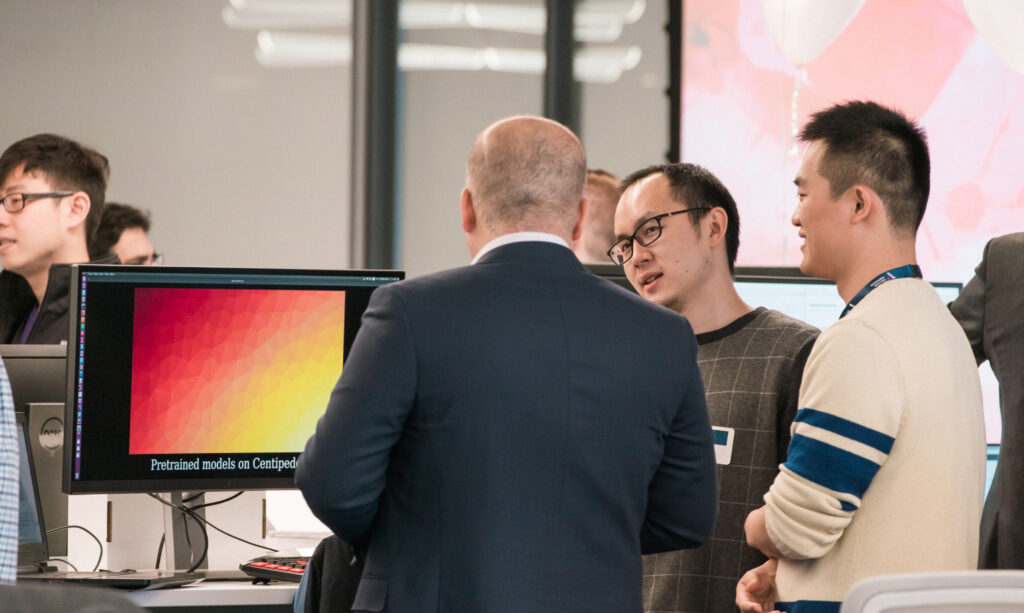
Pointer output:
x,y
511,436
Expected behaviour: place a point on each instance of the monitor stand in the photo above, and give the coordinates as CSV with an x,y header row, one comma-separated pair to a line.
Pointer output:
x,y
183,540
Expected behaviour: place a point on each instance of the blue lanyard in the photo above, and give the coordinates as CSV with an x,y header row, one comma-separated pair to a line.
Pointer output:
x,y
902,272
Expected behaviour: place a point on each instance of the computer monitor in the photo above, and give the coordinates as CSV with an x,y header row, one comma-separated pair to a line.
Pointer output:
x,y
32,550
38,375
197,379
815,301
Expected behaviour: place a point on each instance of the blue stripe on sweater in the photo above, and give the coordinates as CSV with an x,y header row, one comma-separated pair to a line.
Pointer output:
x,y
844,427
808,606
829,466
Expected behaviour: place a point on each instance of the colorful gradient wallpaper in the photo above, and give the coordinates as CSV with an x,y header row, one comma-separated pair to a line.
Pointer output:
x,y
231,370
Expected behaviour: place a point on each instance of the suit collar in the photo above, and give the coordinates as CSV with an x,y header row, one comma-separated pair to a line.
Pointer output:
x,y
532,251
518,237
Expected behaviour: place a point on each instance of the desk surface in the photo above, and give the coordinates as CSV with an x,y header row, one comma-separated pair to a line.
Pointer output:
x,y
217,594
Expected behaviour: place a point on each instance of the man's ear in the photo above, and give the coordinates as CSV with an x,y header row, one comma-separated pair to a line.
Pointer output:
x,y
866,204
469,220
581,215
717,223
78,210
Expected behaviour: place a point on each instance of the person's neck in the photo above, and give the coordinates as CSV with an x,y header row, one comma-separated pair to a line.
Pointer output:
x,y
865,269
39,279
476,241
717,306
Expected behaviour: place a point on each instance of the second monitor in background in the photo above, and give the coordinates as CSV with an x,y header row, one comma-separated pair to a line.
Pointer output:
x,y
38,375
809,299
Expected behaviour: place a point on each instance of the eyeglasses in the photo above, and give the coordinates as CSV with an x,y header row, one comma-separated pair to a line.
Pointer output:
x,y
648,232
13,203
147,260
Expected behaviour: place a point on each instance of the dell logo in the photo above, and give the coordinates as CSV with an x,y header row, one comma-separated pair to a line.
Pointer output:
x,y
51,435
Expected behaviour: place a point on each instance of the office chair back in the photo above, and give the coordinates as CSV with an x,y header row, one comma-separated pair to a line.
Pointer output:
x,y
988,591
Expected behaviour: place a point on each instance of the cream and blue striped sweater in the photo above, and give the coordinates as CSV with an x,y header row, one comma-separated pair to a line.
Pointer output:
x,y
885,472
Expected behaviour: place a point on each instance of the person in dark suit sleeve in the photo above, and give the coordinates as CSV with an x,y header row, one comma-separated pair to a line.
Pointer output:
x,y
991,311
511,436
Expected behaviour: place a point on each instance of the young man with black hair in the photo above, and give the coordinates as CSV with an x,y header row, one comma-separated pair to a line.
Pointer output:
x,y
678,236
51,198
124,232
886,466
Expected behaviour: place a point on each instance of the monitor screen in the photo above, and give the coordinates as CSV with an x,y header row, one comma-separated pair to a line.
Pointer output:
x,y
191,379
815,301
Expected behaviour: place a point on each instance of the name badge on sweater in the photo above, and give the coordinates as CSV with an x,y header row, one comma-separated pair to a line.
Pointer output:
x,y
723,444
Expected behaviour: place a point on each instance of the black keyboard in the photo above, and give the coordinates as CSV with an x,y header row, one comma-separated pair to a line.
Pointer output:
x,y
276,568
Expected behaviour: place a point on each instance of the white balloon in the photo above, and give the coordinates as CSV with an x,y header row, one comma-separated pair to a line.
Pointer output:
x,y
1001,24
803,29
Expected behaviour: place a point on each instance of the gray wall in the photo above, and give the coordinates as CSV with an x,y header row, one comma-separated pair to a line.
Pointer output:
x,y
240,165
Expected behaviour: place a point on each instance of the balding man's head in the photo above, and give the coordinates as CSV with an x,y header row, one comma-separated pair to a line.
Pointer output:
x,y
527,173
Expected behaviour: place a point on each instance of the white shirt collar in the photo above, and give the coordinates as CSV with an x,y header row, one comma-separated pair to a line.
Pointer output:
x,y
519,237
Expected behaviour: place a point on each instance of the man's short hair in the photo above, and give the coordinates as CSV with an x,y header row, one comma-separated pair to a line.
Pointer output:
x,y
695,187
520,173
116,219
605,186
67,166
869,144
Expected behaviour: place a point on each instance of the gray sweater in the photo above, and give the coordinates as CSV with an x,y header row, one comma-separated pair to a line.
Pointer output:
x,y
751,370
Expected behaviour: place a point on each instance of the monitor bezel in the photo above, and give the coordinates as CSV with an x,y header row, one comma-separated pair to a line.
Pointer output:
x,y
192,484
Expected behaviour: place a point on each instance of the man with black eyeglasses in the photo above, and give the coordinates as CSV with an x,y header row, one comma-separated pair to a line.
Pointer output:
x,y
677,231
51,197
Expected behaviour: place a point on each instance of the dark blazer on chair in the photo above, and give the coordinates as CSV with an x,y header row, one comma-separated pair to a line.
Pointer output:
x,y
991,311
511,437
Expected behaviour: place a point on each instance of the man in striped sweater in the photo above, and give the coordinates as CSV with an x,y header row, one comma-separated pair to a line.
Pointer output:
x,y
678,231
885,471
